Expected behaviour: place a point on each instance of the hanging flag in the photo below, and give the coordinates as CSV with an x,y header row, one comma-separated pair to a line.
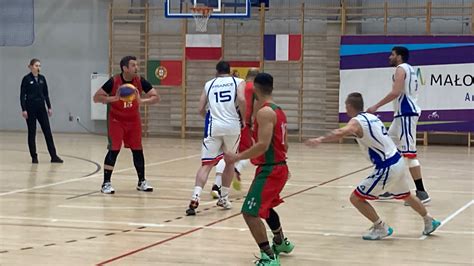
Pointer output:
x,y
203,46
165,72
282,47
240,68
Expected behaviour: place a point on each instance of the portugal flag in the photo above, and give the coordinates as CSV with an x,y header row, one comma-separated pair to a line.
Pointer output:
x,y
167,73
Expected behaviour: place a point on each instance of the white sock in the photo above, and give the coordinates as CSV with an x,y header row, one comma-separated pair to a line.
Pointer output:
x,y
378,223
225,191
240,165
427,218
218,181
197,192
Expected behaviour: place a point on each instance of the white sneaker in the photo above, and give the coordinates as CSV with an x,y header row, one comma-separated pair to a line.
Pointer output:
x,y
224,203
144,186
430,226
378,232
107,188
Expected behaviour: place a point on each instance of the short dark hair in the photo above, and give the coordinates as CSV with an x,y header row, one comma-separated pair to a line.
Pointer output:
x,y
355,100
125,60
34,61
223,67
252,73
264,82
402,51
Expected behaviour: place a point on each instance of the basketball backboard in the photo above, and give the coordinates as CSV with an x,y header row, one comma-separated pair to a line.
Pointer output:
x,y
220,8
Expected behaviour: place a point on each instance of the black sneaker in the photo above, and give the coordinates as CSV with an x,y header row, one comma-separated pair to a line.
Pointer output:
x,y
216,191
57,160
34,160
422,196
192,207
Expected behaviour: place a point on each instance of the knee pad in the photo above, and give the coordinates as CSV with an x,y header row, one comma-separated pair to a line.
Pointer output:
x,y
412,162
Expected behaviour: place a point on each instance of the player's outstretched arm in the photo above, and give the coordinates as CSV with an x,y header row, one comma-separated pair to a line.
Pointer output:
x,y
266,119
397,88
352,128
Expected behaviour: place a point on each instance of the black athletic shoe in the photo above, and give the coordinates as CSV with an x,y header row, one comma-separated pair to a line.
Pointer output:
x,y
216,191
192,207
57,160
34,160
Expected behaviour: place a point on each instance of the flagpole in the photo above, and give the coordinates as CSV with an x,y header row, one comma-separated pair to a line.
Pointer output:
x,y
301,91
146,65
183,81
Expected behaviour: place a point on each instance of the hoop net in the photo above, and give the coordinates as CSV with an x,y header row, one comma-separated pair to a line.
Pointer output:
x,y
201,16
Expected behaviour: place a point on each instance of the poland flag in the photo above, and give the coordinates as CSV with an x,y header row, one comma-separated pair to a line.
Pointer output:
x,y
203,46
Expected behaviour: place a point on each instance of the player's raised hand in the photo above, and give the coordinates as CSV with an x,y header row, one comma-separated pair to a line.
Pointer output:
x,y
230,157
314,142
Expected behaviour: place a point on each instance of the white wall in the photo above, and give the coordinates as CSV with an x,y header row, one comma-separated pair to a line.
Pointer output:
x,y
71,40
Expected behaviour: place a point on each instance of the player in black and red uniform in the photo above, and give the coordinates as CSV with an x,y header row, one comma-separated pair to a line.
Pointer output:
x,y
123,120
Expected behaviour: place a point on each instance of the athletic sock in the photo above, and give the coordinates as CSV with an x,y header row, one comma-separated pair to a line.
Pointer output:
x,y
419,185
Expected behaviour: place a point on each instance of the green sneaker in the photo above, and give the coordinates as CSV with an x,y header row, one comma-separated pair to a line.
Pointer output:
x,y
265,260
285,247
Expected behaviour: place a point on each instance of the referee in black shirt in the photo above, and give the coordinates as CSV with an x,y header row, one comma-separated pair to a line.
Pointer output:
x,y
34,93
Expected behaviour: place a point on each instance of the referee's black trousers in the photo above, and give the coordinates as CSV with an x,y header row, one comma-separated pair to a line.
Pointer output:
x,y
38,112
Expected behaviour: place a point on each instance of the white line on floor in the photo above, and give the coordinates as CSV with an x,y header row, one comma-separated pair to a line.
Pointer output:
x,y
213,227
451,216
201,203
92,176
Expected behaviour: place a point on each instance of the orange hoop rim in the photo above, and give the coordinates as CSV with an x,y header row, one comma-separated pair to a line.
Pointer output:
x,y
204,10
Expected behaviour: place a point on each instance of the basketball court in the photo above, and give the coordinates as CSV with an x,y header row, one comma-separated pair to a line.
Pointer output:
x,y
56,211
55,214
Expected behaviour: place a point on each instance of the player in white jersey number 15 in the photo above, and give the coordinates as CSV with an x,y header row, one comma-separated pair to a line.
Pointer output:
x,y
222,104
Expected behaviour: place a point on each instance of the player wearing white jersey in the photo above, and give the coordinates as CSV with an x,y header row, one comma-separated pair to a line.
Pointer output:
x,y
222,102
389,173
406,112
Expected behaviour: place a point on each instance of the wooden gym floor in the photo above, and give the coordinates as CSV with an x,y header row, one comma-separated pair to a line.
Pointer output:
x,y
55,214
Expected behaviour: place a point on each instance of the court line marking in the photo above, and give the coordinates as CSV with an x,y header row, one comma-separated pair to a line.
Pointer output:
x,y
97,165
163,225
129,253
451,216
96,175
130,207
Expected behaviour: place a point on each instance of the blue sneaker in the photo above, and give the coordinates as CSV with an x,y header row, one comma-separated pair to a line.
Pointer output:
x,y
431,226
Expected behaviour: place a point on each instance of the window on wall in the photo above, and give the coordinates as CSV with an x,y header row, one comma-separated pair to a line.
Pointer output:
x,y
16,22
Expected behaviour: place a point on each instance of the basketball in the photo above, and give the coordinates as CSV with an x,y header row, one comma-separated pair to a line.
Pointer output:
x,y
127,92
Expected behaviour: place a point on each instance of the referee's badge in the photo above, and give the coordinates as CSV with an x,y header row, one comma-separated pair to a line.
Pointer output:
x,y
161,72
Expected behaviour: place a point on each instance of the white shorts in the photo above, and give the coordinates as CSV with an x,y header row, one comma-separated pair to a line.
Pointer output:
x,y
213,148
392,179
403,133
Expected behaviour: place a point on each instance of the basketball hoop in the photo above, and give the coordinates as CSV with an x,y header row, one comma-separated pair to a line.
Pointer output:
x,y
201,15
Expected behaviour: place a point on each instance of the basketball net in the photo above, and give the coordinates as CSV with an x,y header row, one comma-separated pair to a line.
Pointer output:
x,y
201,16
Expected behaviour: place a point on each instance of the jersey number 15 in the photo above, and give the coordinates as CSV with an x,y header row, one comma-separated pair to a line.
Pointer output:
x,y
223,96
